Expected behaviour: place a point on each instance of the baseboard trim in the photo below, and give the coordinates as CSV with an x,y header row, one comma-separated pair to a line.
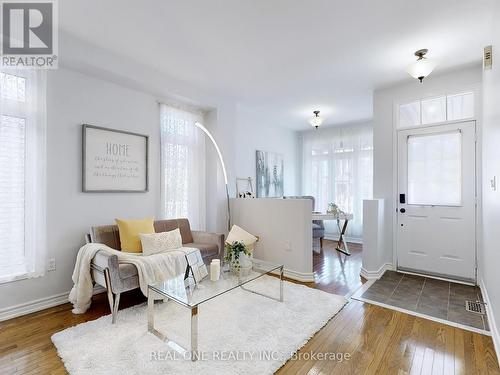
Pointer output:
x,y
489,313
26,308
371,275
305,277
33,306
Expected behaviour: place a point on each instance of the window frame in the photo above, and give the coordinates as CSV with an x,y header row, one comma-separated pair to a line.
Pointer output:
x,y
33,111
397,105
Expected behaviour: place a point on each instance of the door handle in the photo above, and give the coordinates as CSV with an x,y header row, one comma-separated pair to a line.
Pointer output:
x,y
402,210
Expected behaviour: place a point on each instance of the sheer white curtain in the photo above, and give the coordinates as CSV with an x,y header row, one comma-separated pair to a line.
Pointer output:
x,y
182,166
22,174
338,168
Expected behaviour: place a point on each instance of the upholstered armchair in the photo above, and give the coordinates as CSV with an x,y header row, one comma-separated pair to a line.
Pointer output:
x,y
318,226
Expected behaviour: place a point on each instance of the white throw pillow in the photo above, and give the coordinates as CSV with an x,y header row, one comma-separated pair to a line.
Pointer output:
x,y
241,235
160,242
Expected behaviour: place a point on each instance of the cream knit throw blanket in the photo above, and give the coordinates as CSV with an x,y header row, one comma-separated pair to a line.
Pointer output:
x,y
151,269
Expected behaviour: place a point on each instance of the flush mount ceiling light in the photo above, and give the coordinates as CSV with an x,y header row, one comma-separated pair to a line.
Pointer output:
x,y
316,121
422,67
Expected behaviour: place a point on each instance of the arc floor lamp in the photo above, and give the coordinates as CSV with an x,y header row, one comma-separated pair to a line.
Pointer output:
x,y
209,135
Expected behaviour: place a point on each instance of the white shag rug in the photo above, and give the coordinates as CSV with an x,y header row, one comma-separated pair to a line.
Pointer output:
x,y
239,333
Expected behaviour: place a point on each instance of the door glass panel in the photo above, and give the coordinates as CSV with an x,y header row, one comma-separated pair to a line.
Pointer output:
x,y
434,110
409,114
461,106
435,169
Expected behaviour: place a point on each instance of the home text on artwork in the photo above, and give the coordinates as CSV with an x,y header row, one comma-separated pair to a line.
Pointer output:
x,y
116,162
117,149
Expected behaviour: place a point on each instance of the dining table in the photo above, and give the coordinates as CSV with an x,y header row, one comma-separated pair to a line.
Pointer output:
x,y
342,220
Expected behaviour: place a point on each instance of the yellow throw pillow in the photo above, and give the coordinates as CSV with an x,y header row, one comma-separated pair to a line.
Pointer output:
x,y
129,233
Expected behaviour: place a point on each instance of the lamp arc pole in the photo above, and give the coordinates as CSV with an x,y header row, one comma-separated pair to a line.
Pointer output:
x,y
209,135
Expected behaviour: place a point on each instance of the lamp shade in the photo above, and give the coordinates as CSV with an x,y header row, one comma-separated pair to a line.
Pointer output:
x,y
421,68
316,120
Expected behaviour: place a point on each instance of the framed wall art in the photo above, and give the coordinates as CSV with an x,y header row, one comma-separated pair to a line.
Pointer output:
x,y
114,160
269,174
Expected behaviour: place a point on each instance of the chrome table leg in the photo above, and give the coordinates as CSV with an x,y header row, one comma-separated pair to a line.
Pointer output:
x,y
194,333
151,311
280,299
281,284
151,326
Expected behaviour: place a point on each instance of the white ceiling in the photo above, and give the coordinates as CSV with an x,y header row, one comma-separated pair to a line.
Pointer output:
x,y
285,58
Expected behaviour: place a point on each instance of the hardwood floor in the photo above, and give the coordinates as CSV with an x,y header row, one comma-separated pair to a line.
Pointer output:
x,y
375,340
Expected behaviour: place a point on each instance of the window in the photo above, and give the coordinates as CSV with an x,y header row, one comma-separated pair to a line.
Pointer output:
x,y
338,168
433,110
460,106
434,169
183,166
409,114
438,109
22,174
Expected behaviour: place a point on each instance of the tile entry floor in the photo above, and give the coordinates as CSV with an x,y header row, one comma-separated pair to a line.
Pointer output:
x,y
436,298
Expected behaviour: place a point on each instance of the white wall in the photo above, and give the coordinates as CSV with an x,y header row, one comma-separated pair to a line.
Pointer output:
x,y
136,75
490,257
73,99
96,87
373,233
384,168
254,133
284,227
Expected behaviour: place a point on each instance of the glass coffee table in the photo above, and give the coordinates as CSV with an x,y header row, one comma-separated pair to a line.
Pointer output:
x,y
194,295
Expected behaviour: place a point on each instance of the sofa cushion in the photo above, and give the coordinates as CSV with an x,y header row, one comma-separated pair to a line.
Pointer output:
x,y
129,231
161,242
171,224
237,234
206,250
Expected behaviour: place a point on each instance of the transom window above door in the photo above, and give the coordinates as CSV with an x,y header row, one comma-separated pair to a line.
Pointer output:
x,y
437,109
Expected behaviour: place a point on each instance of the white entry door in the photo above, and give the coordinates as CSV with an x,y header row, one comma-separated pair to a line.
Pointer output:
x,y
437,200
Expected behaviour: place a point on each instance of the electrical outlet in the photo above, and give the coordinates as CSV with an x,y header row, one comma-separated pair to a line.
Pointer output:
x,y
493,183
51,264
288,246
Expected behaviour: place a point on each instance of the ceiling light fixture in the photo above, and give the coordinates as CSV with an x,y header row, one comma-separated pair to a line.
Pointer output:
x,y
316,121
422,67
